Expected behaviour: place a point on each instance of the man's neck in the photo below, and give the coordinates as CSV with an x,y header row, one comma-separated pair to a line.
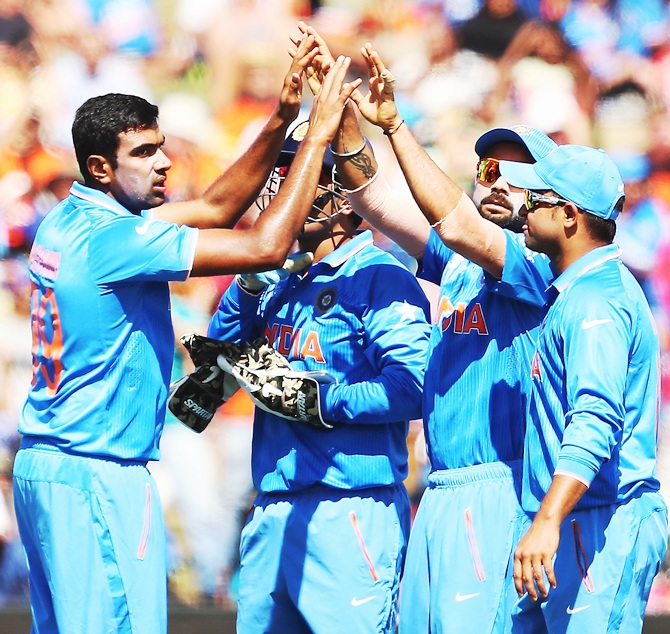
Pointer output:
x,y
572,252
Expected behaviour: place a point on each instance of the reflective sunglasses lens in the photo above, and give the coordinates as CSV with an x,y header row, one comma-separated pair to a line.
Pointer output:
x,y
488,171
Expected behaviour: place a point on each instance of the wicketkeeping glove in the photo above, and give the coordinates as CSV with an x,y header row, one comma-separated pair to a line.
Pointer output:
x,y
254,283
194,398
273,385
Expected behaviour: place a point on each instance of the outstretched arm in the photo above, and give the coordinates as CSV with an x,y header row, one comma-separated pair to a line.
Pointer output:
x,y
444,204
234,191
266,244
393,213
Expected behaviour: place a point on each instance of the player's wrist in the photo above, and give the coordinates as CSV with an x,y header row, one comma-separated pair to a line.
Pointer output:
x,y
249,285
390,130
341,151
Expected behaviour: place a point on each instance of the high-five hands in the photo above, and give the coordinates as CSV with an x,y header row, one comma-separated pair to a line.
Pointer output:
x,y
378,106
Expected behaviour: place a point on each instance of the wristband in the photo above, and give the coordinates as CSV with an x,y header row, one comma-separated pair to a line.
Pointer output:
x,y
350,154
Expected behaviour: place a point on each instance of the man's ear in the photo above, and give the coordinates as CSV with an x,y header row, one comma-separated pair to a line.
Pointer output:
x,y
570,213
99,168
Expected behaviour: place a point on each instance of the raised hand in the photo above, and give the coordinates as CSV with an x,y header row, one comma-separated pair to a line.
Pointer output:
x,y
378,106
291,93
321,62
329,102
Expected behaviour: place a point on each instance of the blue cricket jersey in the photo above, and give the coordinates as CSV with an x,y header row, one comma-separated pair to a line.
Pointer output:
x,y
595,397
476,385
102,333
362,316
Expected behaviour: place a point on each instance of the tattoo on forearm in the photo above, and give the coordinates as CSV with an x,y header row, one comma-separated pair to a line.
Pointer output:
x,y
362,163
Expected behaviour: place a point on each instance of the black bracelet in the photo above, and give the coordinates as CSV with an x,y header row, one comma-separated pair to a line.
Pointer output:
x,y
392,131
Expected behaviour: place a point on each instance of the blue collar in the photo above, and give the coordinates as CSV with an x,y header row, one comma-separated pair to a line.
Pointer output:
x,y
97,197
349,249
586,263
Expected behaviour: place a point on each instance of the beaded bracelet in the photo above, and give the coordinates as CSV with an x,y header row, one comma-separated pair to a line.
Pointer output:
x,y
352,153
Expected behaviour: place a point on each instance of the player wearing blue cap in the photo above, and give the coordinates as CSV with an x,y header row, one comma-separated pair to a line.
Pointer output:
x,y
458,575
87,507
324,546
599,532
519,272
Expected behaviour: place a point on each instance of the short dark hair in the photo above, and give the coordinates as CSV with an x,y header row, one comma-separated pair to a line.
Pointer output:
x,y
99,121
600,228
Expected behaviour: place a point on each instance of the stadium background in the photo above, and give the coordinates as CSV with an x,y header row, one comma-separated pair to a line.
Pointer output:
x,y
595,72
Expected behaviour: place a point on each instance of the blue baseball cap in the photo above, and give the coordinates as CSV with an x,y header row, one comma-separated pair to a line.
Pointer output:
x,y
583,175
292,142
537,143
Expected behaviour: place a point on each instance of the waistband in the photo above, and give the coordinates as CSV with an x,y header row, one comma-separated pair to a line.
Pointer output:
x,y
40,443
324,492
476,473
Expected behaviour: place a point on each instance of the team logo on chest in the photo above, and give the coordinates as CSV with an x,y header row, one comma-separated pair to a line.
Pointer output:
x,y
295,343
462,318
325,300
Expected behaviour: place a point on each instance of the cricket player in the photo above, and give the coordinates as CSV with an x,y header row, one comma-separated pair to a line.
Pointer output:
x,y
458,575
610,552
324,546
87,507
599,531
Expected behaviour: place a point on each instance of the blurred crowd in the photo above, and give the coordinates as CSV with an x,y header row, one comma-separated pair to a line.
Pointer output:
x,y
591,72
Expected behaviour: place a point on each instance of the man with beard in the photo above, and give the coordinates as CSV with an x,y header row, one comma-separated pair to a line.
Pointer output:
x,y
477,374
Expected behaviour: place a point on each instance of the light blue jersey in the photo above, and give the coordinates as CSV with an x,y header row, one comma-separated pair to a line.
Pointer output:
x,y
594,406
102,335
476,384
475,397
102,353
360,315
593,416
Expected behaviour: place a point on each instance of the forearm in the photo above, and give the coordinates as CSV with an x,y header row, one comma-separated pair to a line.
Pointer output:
x,y
355,161
248,174
435,193
391,398
226,200
562,496
394,214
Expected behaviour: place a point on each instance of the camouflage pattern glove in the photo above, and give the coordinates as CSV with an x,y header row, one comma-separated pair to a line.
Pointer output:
x,y
273,385
194,398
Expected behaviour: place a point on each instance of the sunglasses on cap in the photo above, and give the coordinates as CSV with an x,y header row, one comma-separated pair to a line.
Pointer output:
x,y
488,170
533,199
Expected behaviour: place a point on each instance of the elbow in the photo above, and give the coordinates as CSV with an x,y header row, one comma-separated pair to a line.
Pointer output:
x,y
271,254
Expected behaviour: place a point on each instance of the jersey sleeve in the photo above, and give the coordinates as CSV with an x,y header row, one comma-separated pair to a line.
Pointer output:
x,y
237,316
526,273
597,343
435,258
396,325
134,248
